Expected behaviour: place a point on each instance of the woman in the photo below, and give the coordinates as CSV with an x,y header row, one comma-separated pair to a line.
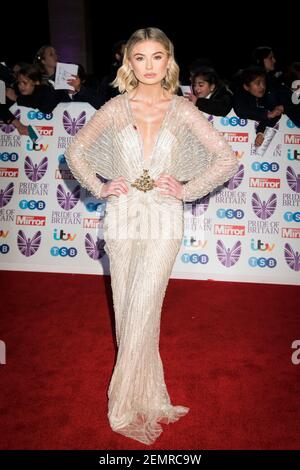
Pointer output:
x,y
146,142
46,59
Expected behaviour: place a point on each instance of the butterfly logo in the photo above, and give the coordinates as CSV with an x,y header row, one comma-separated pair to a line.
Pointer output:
x,y
29,246
229,257
293,179
67,200
8,128
35,171
236,179
73,125
200,205
6,194
291,257
94,250
264,209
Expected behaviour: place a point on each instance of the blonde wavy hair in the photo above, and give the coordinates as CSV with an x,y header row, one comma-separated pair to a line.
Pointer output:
x,y
126,80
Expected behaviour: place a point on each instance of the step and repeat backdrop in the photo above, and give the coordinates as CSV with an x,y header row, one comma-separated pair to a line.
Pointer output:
x,y
248,230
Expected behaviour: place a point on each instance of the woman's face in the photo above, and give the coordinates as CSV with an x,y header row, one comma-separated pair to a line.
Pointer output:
x,y
26,85
269,62
149,61
202,88
50,57
257,87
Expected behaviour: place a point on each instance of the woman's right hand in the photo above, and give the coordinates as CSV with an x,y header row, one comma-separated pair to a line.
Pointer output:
x,y
114,188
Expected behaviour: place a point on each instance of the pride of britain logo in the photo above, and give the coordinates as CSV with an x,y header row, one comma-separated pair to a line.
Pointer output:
x,y
29,246
67,199
264,209
73,125
35,171
293,179
236,179
228,256
292,257
9,128
6,194
95,249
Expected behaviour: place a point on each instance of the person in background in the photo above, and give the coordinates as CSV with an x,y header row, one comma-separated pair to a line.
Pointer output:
x,y
38,94
16,68
33,91
292,76
6,116
210,95
252,100
264,57
106,89
82,92
46,59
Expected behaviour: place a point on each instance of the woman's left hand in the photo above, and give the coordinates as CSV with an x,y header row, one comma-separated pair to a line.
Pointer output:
x,y
169,186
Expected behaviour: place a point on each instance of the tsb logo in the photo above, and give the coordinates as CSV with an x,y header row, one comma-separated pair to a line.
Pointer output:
x,y
262,262
290,124
194,258
32,205
265,166
39,115
4,249
292,216
63,251
9,157
234,121
230,213
96,207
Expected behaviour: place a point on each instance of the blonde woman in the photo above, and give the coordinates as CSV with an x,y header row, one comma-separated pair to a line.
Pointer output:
x,y
147,142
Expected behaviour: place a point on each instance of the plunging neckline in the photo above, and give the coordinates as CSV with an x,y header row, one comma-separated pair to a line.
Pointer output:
x,y
147,163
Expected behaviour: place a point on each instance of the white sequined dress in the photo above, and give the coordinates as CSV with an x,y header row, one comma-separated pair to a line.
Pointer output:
x,y
143,233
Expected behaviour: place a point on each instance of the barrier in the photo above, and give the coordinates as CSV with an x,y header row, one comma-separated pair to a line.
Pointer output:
x,y
246,231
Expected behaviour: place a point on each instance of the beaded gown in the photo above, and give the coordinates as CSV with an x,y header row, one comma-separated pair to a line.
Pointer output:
x,y
143,230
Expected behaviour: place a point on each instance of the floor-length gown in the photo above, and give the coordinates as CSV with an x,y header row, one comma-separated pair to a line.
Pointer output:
x,y
143,232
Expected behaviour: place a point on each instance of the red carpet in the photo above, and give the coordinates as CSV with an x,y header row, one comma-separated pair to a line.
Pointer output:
x,y
226,349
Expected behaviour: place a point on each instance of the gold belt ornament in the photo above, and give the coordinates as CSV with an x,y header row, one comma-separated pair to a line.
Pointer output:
x,y
144,183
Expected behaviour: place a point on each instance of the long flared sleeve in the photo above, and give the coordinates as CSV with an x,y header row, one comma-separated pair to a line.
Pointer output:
x,y
221,162
91,151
